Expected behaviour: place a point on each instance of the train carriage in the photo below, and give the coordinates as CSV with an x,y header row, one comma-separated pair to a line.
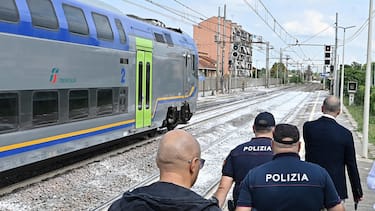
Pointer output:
x,y
74,76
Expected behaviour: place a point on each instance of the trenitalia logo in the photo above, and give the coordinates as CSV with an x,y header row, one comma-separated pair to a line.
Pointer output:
x,y
54,78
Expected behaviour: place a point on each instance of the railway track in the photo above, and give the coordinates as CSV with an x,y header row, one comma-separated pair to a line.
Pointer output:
x,y
50,169
209,188
223,132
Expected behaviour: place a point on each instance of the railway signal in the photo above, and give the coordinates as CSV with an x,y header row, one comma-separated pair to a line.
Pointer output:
x,y
327,54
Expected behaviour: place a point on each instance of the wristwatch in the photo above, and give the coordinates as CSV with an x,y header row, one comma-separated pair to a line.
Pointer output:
x,y
214,200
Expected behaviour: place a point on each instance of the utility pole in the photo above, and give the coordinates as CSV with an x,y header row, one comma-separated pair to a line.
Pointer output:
x,y
286,73
335,82
223,51
217,51
281,61
343,69
366,109
267,64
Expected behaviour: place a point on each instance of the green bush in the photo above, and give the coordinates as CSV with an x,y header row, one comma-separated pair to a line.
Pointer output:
x,y
360,96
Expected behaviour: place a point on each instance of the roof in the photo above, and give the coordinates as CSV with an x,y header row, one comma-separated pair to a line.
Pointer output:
x,y
206,62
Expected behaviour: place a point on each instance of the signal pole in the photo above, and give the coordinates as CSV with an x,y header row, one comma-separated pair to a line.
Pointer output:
x,y
343,69
217,51
223,51
335,83
267,64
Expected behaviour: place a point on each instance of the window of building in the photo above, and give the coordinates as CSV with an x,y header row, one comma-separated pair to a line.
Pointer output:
x,y
103,27
104,101
45,107
121,31
76,20
78,104
8,11
43,14
159,37
8,111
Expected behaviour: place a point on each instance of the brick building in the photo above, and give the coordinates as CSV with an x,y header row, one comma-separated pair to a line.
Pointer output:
x,y
235,46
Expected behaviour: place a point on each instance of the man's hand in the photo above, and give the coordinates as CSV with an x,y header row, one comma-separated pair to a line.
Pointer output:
x,y
214,200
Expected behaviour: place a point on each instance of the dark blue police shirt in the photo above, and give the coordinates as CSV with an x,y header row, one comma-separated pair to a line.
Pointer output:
x,y
287,183
245,157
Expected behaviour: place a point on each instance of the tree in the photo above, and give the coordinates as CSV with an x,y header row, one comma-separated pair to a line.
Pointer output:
x,y
274,69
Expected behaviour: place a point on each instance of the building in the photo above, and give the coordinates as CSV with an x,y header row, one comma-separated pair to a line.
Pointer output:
x,y
234,52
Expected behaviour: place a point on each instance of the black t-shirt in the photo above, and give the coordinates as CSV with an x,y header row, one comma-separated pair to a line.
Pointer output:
x,y
245,157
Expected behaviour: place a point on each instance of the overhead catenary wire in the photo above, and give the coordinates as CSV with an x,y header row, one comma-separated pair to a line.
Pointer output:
x,y
184,19
189,8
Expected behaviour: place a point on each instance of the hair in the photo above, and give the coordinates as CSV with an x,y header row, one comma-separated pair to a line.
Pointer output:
x,y
331,104
262,129
285,146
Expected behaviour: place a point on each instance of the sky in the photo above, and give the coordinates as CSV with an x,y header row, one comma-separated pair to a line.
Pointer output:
x,y
311,22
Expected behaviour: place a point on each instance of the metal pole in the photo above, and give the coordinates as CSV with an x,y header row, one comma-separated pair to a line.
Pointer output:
x,y
366,109
267,64
281,61
343,70
335,69
223,53
217,51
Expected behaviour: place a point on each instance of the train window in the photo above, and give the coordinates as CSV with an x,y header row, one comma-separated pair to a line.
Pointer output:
x,y
140,85
121,31
159,37
105,101
78,104
103,28
169,39
43,14
8,111
76,20
8,11
45,107
148,84
193,62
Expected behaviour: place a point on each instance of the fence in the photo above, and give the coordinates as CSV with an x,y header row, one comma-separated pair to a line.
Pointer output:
x,y
209,83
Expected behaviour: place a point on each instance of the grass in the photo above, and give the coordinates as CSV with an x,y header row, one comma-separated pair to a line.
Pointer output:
x,y
357,113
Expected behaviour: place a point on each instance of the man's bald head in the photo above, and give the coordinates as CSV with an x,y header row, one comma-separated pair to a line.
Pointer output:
x,y
176,148
331,105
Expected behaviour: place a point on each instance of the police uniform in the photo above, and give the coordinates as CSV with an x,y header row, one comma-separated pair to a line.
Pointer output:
x,y
250,154
287,183
245,157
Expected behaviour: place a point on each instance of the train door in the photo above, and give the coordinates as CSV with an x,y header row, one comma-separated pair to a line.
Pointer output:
x,y
143,95
186,74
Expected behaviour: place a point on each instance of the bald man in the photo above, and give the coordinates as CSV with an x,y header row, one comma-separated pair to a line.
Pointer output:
x,y
331,145
179,161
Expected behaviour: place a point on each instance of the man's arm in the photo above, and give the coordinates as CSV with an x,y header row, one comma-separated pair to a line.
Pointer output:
x,y
304,134
351,164
246,209
338,207
223,189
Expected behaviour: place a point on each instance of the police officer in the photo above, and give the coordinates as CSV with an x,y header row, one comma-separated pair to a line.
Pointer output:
x,y
245,157
286,182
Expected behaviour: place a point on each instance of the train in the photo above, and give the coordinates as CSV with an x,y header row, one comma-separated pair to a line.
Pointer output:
x,y
75,75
